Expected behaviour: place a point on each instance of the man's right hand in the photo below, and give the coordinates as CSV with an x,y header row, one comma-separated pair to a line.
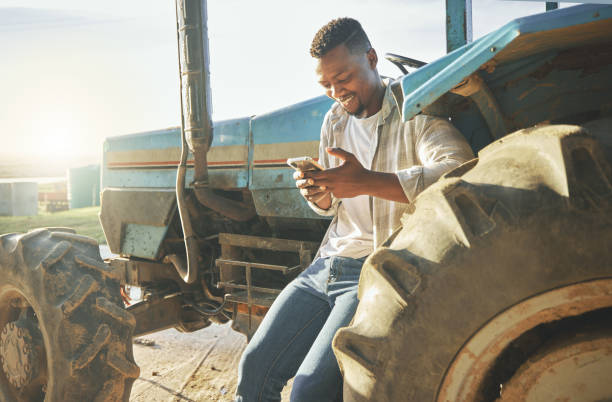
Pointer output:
x,y
315,194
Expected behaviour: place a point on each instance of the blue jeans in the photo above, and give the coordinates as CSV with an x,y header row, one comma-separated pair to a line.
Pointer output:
x,y
294,338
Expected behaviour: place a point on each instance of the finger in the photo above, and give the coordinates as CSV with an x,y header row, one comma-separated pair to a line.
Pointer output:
x,y
302,183
319,175
310,191
298,174
311,183
323,181
311,174
313,190
340,153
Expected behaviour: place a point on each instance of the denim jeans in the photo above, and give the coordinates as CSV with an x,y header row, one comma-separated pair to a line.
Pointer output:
x,y
294,338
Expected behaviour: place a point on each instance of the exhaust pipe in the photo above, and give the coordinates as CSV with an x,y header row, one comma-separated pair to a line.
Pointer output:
x,y
196,126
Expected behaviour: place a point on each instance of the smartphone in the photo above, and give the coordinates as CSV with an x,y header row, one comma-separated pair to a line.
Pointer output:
x,y
304,163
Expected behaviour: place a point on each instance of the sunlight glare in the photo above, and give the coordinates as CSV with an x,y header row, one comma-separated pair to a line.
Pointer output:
x,y
57,136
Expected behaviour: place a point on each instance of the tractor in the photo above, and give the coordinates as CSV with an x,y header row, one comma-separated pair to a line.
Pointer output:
x,y
497,285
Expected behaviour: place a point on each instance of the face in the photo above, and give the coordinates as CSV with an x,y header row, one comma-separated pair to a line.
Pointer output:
x,y
350,79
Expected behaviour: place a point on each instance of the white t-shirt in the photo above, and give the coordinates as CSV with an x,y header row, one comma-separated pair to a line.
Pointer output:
x,y
353,234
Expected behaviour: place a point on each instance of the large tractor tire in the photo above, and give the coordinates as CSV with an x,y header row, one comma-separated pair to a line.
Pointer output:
x,y
64,335
498,286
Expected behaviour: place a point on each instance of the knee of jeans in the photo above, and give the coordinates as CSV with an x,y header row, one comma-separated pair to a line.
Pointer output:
x,y
248,362
255,381
300,387
247,386
308,388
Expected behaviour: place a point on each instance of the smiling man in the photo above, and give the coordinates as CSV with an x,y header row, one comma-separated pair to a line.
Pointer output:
x,y
376,164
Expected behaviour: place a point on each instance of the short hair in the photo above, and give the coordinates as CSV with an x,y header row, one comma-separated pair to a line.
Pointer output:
x,y
347,31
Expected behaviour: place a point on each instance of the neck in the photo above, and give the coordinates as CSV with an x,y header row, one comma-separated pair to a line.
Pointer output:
x,y
377,99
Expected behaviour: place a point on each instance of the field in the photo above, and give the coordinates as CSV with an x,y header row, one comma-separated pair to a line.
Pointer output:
x,y
27,166
83,220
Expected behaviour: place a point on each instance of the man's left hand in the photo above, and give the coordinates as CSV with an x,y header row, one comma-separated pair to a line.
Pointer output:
x,y
345,181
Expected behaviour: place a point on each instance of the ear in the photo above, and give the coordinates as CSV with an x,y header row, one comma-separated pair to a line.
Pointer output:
x,y
372,58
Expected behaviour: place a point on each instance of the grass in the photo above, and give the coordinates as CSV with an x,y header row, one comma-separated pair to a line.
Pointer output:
x,y
83,220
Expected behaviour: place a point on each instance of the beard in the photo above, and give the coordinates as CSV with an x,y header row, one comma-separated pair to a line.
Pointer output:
x,y
357,112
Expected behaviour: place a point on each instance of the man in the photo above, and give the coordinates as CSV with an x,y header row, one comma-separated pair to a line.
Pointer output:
x,y
375,165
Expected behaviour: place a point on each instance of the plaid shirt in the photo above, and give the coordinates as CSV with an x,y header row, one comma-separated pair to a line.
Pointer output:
x,y
418,151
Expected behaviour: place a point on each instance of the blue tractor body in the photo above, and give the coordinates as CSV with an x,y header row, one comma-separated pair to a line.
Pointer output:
x,y
497,279
519,75
553,67
246,154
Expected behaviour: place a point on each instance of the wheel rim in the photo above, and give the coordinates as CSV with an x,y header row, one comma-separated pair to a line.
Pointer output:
x,y
467,375
23,361
575,368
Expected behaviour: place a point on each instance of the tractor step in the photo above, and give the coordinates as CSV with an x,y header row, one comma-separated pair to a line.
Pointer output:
x,y
237,274
243,265
262,299
284,269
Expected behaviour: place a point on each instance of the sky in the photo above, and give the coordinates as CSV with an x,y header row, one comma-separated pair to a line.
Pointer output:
x,y
74,72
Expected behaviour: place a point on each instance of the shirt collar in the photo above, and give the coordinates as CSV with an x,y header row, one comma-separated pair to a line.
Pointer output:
x,y
388,101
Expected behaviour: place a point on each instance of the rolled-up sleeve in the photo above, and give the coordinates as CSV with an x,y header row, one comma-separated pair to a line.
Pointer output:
x,y
439,147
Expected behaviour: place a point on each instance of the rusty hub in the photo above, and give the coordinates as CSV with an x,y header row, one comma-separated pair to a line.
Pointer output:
x,y
21,349
573,369
471,371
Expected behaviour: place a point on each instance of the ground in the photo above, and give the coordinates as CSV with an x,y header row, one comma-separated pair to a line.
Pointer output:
x,y
198,366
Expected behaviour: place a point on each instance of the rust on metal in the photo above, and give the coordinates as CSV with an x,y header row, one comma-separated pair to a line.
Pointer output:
x,y
255,310
238,272
20,349
476,89
575,369
587,59
475,359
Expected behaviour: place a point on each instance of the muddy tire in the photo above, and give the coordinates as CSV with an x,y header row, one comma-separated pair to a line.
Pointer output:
x,y
64,335
493,262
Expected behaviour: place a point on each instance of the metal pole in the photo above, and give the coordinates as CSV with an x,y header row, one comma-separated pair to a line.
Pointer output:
x,y
196,101
196,106
458,23
196,116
